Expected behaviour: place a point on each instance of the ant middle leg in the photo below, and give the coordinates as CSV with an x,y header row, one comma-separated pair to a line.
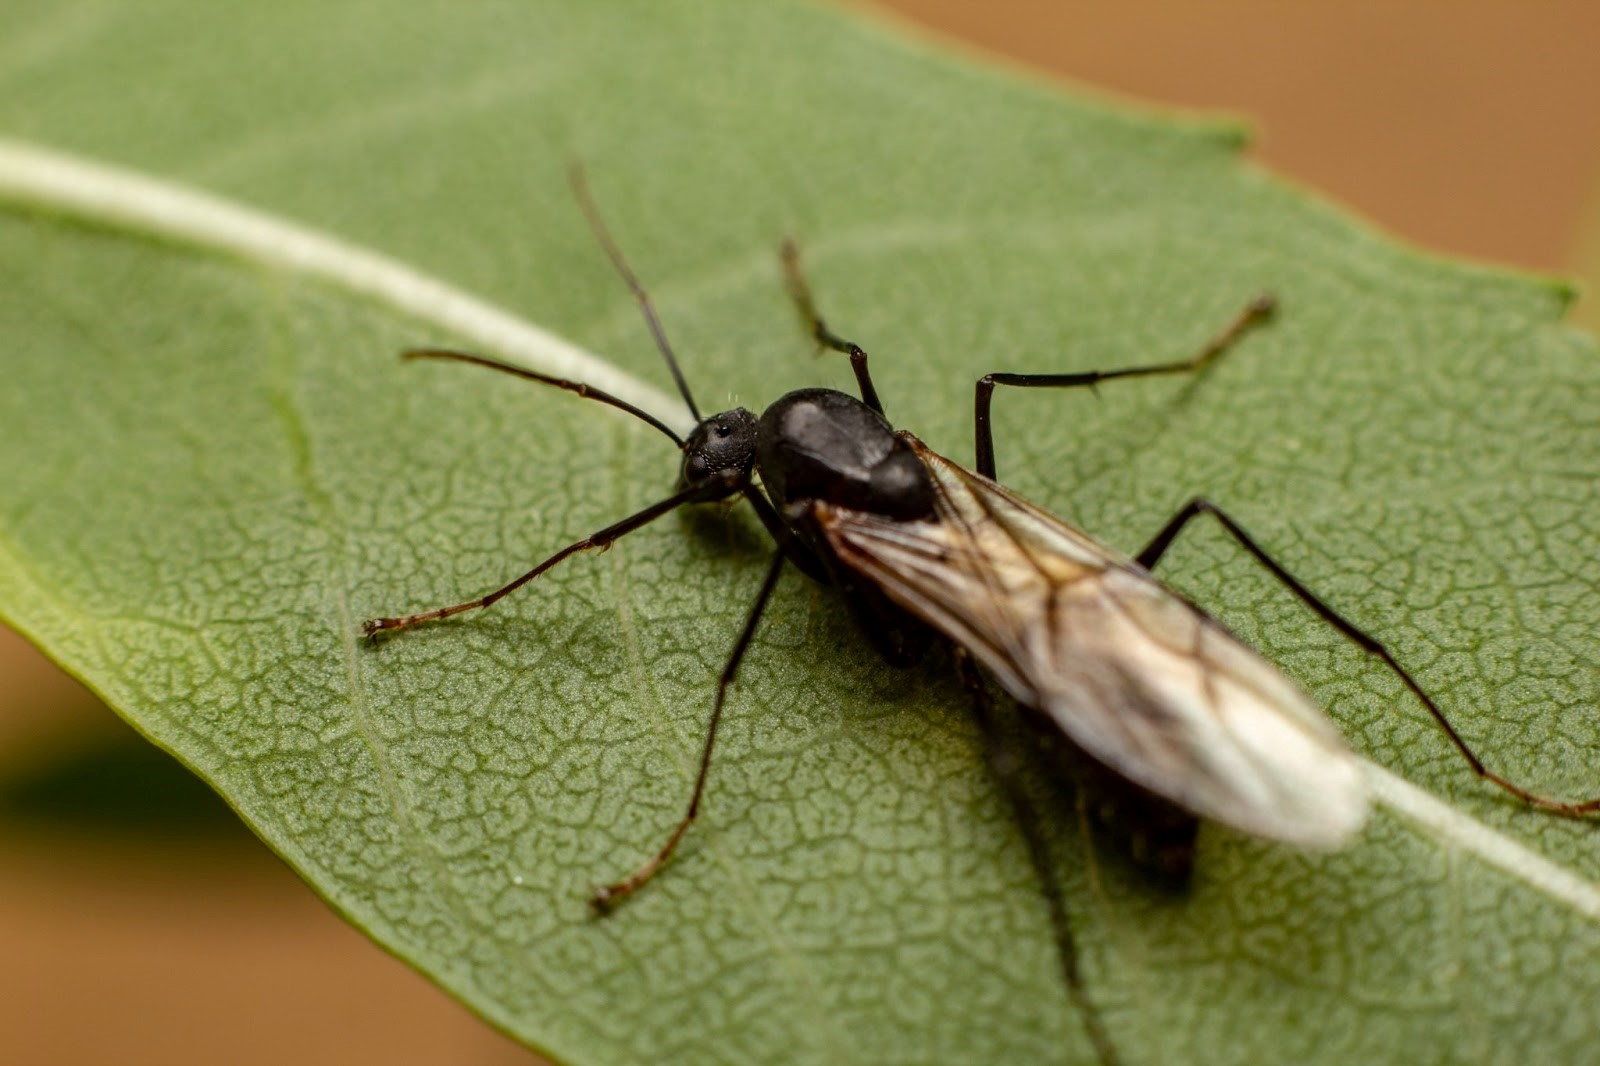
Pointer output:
x,y
606,897
1256,311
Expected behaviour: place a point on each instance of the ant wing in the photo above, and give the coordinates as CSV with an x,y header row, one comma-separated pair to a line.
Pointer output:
x,y
1132,673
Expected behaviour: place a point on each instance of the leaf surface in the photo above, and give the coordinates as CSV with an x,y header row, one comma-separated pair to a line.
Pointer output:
x,y
215,468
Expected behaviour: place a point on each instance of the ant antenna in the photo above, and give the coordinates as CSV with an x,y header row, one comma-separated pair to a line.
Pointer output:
x,y
588,392
580,189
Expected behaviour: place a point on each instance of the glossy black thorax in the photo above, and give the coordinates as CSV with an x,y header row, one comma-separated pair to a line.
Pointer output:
x,y
820,444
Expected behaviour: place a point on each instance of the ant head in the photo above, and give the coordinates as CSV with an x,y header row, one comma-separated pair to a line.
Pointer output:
x,y
719,445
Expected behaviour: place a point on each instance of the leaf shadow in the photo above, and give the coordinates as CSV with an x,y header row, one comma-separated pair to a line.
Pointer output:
x,y
118,784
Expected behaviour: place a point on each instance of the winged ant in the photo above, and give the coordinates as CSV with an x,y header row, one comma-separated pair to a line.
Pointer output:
x,y
923,549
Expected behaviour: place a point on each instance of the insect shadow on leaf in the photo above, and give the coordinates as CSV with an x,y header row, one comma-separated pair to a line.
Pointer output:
x,y
1159,697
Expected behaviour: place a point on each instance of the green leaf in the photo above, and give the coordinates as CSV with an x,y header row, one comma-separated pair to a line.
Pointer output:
x,y
215,468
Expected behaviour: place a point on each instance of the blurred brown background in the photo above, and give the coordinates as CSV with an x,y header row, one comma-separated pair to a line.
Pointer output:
x,y
1471,127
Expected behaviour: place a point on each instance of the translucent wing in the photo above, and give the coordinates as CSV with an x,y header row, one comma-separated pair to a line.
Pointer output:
x,y
1134,674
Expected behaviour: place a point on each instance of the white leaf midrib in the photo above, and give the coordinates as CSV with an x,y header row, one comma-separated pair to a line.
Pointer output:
x,y
1447,825
116,196
142,204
